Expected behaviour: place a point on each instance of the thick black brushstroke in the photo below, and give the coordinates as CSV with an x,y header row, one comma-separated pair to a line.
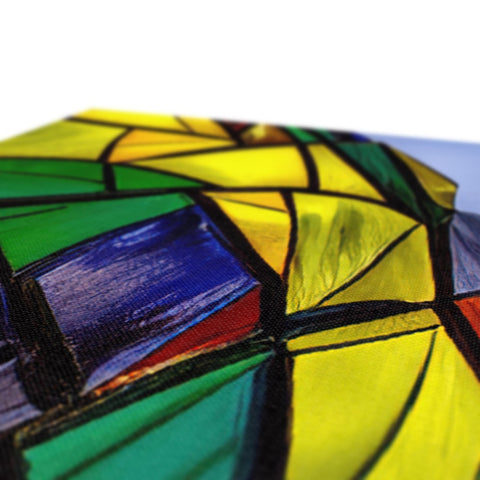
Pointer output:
x,y
184,124
275,424
49,199
108,175
89,407
48,370
347,314
140,127
456,325
292,243
371,265
248,451
308,161
10,461
235,135
361,341
397,425
390,197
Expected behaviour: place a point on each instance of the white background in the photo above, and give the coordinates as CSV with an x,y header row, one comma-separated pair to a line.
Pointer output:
x,y
404,67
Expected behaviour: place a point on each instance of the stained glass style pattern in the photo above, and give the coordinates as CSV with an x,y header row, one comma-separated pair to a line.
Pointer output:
x,y
189,298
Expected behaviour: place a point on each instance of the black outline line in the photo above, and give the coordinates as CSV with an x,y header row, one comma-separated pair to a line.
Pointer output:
x,y
293,239
273,444
456,324
242,202
389,196
422,197
206,151
346,314
139,432
108,175
184,124
92,406
313,174
397,425
381,255
138,127
361,341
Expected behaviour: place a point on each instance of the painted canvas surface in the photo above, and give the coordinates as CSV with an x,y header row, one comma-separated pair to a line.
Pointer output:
x,y
195,299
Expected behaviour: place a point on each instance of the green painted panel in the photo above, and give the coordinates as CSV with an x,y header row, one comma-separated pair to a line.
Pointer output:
x,y
326,134
196,426
26,178
128,178
302,135
26,238
371,158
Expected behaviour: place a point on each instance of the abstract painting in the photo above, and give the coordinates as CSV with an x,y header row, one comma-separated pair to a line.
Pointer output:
x,y
184,298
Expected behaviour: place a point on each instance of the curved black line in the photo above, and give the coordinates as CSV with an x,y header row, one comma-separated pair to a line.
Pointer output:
x,y
144,168
361,341
390,198
108,175
346,314
312,172
139,127
184,124
371,265
456,324
292,244
39,200
400,421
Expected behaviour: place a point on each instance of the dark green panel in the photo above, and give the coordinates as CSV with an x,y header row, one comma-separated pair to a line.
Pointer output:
x,y
129,178
302,135
26,178
193,430
371,158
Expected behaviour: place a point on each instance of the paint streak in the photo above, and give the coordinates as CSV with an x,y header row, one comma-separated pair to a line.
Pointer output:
x,y
122,296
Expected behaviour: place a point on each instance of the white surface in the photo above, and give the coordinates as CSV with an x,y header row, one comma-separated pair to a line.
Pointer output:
x,y
406,68
409,67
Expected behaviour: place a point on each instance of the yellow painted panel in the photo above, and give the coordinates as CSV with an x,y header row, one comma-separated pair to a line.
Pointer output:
x,y
337,176
337,238
206,126
441,189
440,437
268,167
147,143
262,199
385,326
168,122
62,139
267,230
405,274
265,134
345,402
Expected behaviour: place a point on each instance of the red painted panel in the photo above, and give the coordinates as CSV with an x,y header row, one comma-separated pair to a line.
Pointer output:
x,y
470,307
226,325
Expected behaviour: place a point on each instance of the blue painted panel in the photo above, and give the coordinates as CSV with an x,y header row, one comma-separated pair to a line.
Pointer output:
x,y
122,295
15,407
465,247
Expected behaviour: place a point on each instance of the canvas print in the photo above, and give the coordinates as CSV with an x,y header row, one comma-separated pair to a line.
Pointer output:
x,y
184,298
